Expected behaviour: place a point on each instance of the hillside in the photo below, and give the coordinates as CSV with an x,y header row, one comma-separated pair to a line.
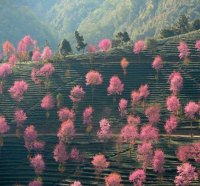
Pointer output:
x,y
70,72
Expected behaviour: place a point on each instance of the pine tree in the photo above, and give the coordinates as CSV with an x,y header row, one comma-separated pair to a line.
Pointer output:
x,y
65,48
80,42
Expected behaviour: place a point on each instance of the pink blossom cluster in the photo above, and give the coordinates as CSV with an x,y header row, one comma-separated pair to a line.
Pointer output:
x,y
171,124
75,154
144,91
93,78
197,45
48,102
4,127
38,164
35,76
12,60
135,97
153,114
36,56
76,183
138,177
20,117
173,103
100,163
149,134
115,86
87,115
157,63
158,161
105,132
191,109
176,82
113,179
134,120
105,45
65,114
91,48
47,70
129,133
139,46
5,70
46,54
184,153
123,107
60,154
8,48
183,50
77,94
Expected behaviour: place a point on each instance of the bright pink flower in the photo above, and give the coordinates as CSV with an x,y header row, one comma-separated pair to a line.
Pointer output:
x,y
123,107
184,153
138,177
197,45
91,48
171,124
172,103
105,132
65,114
47,70
66,131
35,183
183,50
139,46
157,63
145,154
8,48
30,136
18,89
149,134
4,127
38,164
12,60
35,74
77,94
135,97
153,114
191,109
144,91
93,78
60,154
48,102
100,163
105,45
36,56
5,70
28,40
76,183
129,133
20,117
38,145
46,54
134,120
176,82
87,115
186,174
75,155
116,86
113,179
158,161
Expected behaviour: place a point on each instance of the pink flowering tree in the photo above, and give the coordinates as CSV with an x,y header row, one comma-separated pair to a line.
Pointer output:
x,y
170,125
18,89
38,164
35,76
158,162
76,183
76,95
128,134
65,114
46,54
75,154
139,46
66,132
60,155
123,103
47,104
184,153
186,174
184,50
153,114
144,93
105,45
36,57
134,120
100,163
173,104
8,48
35,183
191,110
87,118
5,71
124,65
4,128
113,179
149,134
116,87
145,154
12,60
46,71
93,78
135,99
176,82
138,177
195,149
157,64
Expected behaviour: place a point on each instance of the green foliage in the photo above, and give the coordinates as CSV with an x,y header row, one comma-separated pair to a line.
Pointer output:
x,y
196,24
80,41
65,48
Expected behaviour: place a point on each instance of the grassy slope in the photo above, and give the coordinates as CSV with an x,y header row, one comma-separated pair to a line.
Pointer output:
x,y
108,64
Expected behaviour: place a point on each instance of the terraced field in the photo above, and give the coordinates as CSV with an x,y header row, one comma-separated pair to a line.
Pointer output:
x,y
14,165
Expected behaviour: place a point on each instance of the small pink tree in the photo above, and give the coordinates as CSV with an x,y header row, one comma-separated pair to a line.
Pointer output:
x,y
105,45
145,154
75,154
183,49
184,153
124,65
186,174
134,120
65,114
20,117
38,164
157,64
113,179
18,89
100,163
135,98
35,183
36,57
144,93
153,114
116,87
35,76
139,46
47,104
197,45
8,48
12,60
123,107
76,183
87,118
158,162
176,82
4,128
66,131
60,155
191,109
46,54
138,177
173,104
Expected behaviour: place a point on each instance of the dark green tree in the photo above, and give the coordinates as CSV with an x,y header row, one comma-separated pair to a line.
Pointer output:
x,y
196,24
64,48
182,26
123,36
167,32
80,42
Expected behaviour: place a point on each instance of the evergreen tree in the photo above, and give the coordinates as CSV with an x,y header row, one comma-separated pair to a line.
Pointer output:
x,y
80,42
182,26
65,48
196,24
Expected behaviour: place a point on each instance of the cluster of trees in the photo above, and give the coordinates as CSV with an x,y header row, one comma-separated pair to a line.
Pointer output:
x,y
182,26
